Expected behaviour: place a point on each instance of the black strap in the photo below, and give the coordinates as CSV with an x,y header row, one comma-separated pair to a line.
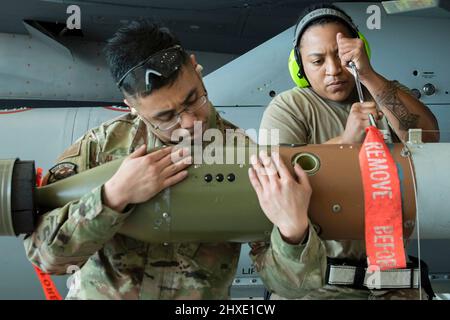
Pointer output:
x,y
358,281
425,279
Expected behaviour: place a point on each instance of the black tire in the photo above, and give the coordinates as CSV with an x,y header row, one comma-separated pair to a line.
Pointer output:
x,y
22,197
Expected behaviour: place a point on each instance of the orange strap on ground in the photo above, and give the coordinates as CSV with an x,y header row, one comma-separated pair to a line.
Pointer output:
x,y
383,204
50,290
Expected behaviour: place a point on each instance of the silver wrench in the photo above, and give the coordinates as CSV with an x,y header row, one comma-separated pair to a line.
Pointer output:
x,y
352,65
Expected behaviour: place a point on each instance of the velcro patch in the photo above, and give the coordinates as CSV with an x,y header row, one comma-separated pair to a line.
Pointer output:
x,y
62,170
72,151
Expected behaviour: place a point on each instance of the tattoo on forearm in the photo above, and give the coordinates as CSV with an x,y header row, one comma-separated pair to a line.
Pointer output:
x,y
388,98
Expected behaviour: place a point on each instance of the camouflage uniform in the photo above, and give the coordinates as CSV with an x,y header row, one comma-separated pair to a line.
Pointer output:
x,y
303,117
83,233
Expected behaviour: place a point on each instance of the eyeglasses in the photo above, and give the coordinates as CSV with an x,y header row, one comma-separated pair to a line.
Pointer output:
x,y
160,64
171,123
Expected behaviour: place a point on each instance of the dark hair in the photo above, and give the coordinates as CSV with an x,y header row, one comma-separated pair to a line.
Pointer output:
x,y
134,43
325,20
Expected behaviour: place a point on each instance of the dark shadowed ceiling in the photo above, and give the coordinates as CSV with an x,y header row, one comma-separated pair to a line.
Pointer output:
x,y
225,26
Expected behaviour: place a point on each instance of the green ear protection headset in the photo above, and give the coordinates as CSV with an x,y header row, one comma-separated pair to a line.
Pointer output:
x,y
295,64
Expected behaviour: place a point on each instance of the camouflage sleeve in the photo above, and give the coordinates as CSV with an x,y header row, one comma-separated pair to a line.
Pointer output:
x,y
289,270
70,235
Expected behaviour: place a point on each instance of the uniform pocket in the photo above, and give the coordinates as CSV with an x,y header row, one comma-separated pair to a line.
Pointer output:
x,y
212,259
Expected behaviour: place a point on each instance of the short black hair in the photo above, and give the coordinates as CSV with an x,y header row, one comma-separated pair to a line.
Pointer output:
x,y
134,43
325,20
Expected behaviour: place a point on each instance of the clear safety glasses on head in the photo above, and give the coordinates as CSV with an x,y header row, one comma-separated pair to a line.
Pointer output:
x,y
160,64
175,119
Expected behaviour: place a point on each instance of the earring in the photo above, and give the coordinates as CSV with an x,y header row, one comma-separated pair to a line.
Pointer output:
x,y
199,69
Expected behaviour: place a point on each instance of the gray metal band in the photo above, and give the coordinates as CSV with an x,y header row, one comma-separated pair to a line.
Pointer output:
x,y
6,223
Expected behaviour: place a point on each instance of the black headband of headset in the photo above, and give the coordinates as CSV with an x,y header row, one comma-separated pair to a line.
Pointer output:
x,y
314,15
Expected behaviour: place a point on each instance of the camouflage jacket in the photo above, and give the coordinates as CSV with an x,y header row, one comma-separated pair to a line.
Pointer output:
x,y
83,234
